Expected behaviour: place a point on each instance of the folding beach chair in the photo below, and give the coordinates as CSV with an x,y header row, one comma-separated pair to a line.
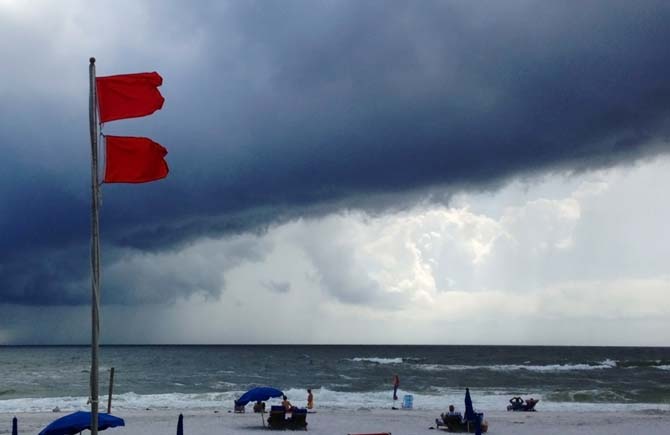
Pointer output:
x,y
277,419
298,419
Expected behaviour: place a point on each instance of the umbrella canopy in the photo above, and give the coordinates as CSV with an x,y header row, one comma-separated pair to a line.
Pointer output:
x,y
78,421
180,425
258,394
469,410
15,429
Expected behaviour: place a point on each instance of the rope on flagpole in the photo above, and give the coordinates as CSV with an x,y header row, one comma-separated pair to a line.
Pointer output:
x,y
103,150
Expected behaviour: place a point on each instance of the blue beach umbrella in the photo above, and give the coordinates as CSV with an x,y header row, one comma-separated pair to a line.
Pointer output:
x,y
180,425
469,410
470,413
78,421
15,430
258,394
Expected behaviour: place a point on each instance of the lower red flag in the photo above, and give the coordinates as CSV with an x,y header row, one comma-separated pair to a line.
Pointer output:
x,y
134,160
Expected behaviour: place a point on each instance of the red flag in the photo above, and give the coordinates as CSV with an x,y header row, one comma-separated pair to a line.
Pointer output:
x,y
129,95
134,160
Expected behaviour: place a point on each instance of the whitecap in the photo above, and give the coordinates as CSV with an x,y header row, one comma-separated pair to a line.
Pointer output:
x,y
378,360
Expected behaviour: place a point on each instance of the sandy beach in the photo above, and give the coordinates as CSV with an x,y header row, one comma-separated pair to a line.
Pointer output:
x,y
327,422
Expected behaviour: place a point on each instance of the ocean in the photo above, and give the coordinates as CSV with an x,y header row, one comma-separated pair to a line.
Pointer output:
x,y
41,378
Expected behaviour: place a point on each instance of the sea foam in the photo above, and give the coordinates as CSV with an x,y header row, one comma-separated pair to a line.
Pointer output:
x,y
378,360
548,368
324,399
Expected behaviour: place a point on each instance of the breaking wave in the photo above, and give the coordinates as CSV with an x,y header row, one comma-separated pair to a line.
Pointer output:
x,y
576,401
548,368
378,360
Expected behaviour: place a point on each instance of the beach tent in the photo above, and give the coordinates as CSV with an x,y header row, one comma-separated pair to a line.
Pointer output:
x,y
78,421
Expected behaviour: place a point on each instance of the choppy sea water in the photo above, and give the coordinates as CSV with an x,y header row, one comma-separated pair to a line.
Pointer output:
x,y
40,378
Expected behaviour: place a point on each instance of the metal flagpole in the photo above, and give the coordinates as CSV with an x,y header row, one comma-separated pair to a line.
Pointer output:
x,y
95,247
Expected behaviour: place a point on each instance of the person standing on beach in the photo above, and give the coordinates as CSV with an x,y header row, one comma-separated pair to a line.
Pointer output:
x,y
310,399
396,384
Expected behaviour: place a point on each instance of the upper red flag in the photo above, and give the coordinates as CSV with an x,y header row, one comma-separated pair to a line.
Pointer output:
x,y
129,95
134,160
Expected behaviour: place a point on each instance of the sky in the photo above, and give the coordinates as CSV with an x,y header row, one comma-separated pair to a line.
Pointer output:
x,y
400,172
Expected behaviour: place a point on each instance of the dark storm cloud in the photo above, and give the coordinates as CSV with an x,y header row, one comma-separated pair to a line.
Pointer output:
x,y
278,109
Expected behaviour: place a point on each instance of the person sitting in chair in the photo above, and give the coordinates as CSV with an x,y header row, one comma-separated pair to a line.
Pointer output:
x,y
449,418
516,404
239,408
530,404
286,404
451,414
259,406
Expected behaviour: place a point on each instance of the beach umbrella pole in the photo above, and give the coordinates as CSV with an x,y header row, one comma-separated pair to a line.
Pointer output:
x,y
95,247
111,387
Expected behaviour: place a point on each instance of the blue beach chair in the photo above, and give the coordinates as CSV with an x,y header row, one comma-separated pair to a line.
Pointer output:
x,y
298,419
277,419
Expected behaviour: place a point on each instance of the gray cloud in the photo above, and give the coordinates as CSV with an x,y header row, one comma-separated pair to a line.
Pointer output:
x,y
587,251
281,287
277,110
